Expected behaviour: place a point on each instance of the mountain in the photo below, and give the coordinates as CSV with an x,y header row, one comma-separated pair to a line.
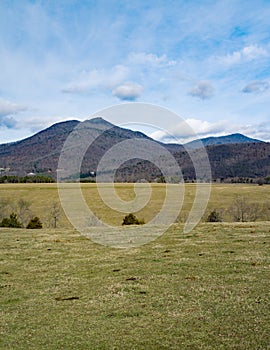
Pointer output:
x,y
245,160
40,152
230,162
230,156
220,140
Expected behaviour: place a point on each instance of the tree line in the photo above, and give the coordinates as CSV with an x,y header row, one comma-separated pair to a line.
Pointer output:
x,y
26,179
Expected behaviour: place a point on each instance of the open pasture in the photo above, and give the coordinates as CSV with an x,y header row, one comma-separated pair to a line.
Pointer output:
x,y
222,198
208,289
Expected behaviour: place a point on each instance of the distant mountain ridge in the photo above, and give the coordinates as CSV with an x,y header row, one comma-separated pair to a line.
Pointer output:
x,y
230,156
220,140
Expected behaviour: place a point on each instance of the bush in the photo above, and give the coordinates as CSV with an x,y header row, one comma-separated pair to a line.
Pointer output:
x,y
131,219
214,216
34,223
12,221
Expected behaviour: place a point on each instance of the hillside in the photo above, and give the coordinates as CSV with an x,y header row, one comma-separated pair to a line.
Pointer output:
x,y
229,161
230,156
250,160
40,152
37,153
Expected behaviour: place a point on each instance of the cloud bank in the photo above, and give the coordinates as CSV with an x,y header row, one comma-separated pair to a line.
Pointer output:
x,y
247,54
128,91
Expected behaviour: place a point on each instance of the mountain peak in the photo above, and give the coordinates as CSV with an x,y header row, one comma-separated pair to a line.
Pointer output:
x,y
100,121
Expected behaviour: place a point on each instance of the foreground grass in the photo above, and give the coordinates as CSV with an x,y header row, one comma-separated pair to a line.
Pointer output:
x,y
205,290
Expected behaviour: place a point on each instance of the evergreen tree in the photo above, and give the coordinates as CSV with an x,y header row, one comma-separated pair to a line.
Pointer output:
x,y
34,223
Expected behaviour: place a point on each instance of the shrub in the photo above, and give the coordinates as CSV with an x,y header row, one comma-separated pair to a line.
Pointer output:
x,y
34,223
131,219
214,216
12,221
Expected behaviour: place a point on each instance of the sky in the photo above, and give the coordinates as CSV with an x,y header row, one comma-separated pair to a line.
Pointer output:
x,y
207,61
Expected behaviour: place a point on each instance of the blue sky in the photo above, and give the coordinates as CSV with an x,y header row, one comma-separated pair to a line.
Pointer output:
x,y
208,61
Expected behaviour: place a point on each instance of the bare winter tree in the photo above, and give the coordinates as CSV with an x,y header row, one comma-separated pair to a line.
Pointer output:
x,y
242,210
22,209
4,207
54,214
266,211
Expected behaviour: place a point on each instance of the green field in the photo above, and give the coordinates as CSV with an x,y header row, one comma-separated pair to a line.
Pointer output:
x,y
205,290
208,289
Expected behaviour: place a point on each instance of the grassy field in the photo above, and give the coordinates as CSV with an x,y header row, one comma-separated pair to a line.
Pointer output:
x,y
208,289
205,290
222,196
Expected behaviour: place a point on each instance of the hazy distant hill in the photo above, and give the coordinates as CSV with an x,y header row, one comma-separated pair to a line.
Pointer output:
x,y
230,156
220,140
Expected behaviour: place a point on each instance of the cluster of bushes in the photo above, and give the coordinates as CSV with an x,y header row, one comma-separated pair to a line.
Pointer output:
x,y
214,216
131,219
26,179
13,221
18,214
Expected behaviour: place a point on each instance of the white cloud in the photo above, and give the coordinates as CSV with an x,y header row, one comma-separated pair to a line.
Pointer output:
x,y
202,90
143,58
248,53
259,131
256,87
128,91
37,123
94,79
192,129
188,130
75,88
9,108
203,127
